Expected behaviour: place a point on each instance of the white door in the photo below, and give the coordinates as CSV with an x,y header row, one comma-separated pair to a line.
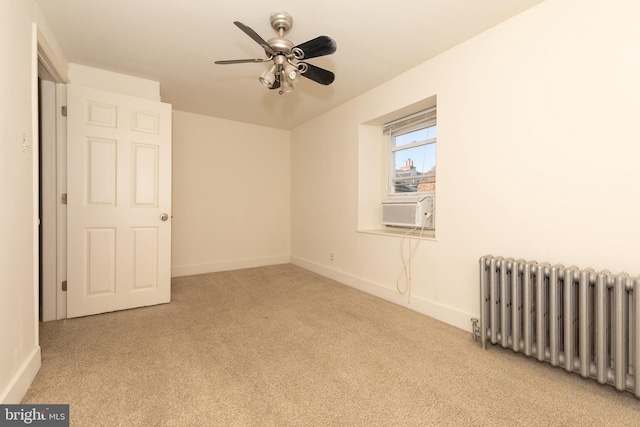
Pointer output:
x,y
118,203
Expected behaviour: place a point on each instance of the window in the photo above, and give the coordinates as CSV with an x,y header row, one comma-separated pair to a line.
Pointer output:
x,y
412,153
396,172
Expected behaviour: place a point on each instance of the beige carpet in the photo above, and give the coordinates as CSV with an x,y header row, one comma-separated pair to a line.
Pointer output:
x,y
280,346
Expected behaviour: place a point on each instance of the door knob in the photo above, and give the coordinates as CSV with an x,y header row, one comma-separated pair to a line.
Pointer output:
x,y
164,217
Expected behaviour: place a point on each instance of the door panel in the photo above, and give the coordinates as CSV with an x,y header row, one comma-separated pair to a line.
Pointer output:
x,y
145,257
144,170
118,185
100,265
100,159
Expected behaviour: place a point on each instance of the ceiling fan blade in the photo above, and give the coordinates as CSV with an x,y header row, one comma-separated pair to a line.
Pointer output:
x,y
318,75
248,31
241,61
320,46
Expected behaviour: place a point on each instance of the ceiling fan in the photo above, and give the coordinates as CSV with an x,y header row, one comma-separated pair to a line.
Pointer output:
x,y
289,60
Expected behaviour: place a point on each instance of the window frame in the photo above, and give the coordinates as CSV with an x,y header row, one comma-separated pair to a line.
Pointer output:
x,y
411,123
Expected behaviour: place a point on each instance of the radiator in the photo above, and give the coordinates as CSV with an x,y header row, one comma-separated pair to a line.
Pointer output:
x,y
577,319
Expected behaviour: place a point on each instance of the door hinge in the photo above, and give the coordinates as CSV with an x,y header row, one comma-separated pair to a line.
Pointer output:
x,y
64,286
64,111
64,199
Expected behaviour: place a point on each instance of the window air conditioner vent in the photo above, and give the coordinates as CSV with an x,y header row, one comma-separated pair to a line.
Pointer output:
x,y
414,211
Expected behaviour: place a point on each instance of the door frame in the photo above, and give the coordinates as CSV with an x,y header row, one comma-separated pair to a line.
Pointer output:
x,y
53,159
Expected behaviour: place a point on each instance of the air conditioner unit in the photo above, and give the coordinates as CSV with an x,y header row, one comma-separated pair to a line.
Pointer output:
x,y
409,211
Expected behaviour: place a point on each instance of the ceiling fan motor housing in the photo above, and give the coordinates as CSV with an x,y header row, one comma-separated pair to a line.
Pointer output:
x,y
280,44
281,22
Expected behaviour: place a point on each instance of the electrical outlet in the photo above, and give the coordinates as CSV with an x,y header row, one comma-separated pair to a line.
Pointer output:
x,y
331,256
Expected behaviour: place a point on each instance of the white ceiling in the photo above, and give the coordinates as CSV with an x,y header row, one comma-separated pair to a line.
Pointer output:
x,y
176,43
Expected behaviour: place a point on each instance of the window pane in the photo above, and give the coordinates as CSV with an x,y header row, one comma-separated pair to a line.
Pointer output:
x,y
415,169
416,135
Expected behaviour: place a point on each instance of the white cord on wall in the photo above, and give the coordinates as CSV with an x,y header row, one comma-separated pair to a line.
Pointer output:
x,y
406,264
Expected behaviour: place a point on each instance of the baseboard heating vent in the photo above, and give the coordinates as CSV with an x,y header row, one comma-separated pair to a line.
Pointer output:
x,y
577,319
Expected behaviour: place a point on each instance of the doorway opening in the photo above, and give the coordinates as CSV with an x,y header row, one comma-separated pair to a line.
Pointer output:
x,y
50,175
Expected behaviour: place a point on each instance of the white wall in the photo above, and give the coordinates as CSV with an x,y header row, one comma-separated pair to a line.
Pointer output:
x,y
537,158
19,349
109,81
231,195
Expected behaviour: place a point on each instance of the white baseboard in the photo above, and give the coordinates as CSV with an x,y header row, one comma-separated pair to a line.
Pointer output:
x,y
190,270
429,308
21,381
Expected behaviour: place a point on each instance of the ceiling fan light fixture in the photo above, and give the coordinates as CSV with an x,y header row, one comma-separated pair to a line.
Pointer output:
x,y
292,73
268,77
286,86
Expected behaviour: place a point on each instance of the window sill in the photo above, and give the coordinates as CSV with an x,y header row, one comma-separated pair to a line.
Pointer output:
x,y
403,232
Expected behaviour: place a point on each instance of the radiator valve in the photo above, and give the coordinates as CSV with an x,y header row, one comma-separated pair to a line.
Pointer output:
x,y
475,329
